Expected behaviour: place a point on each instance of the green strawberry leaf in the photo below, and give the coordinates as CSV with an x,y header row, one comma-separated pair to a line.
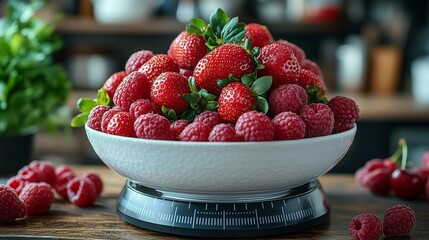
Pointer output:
x,y
197,26
212,105
189,114
261,85
262,105
79,120
103,97
192,85
206,95
248,79
223,82
169,113
86,104
233,31
315,95
218,19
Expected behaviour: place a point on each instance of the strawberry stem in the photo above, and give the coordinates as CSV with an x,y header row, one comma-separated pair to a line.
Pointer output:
x,y
403,145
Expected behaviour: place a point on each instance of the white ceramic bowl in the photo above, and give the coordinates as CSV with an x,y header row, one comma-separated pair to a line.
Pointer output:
x,y
221,168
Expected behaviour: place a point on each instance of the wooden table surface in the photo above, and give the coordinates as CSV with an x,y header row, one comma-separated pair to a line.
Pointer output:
x,y
66,221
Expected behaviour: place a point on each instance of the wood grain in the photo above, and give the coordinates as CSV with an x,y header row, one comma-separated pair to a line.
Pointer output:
x,y
66,221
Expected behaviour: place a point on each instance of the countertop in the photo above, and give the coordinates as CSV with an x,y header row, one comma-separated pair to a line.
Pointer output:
x,y
66,221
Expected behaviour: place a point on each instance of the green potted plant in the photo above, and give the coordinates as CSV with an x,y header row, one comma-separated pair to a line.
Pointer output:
x,y
32,87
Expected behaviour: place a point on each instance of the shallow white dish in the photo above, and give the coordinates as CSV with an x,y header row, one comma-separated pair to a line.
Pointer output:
x,y
221,168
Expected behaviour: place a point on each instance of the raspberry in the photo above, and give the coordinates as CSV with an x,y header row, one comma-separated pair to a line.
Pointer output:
x,y
287,98
312,67
377,181
195,132
137,59
177,127
425,160
398,221
46,170
208,117
134,86
61,183
297,51
369,166
254,126
16,183
122,124
95,178
318,119
142,106
95,116
63,169
81,192
113,82
11,207
346,113
38,197
422,172
28,174
152,126
107,116
366,226
223,133
288,126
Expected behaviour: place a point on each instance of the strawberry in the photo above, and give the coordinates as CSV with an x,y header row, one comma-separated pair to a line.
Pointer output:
x,y
187,49
122,124
158,64
219,64
113,82
280,63
258,34
137,59
135,86
297,51
312,67
310,79
168,89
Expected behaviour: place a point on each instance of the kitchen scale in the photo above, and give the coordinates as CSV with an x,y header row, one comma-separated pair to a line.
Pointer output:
x,y
241,215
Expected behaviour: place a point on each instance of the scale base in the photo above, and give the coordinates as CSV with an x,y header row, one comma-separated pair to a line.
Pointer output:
x,y
301,208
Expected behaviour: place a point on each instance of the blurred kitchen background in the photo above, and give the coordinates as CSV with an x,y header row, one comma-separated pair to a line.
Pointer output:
x,y
376,52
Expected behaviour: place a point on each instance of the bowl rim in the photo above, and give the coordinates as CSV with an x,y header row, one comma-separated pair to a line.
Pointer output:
x,y
238,144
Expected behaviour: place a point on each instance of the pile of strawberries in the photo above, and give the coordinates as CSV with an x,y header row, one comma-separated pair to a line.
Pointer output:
x,y
31,191
221,81
393,175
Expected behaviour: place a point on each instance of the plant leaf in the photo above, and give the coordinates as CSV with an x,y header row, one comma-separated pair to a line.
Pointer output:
x,y
261,85
262,105
103,97
79,120
86,104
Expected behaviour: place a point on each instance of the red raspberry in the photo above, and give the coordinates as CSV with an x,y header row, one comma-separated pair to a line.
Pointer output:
x,y
137,59
95,178
95,116
288,126
258,34
312,67
223,133
377,181
254,126
287,98
143,106
113,82
210,118
30,175
196,132
63,169
346,113
11,207
107,116
152,126
366,226
38,197
46,170
177,127
369,166
398,221
318,119
422,172
61,183
297,51
134,86
425,160
17,184
81,192
309,79
122,124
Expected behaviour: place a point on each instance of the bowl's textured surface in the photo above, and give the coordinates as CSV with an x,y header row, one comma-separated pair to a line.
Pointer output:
x,y
220,168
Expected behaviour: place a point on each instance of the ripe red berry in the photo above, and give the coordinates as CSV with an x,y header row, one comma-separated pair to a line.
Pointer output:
x,y
107,116
287,98
399,221
81,191
234,100
196,132
11,207
297,51
318,119
288,126
425,160
137,59
312,67
134,86
258,34
61,183
366,226
309,79
152,126
28,174
63,169
95,116
113,82
143,106
46,170
95,178
187,49
177,127
254,126
346,113
16,183
122,124
377,181
427,190
406,185
158,64
422,172
38,197
223,133
209,117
